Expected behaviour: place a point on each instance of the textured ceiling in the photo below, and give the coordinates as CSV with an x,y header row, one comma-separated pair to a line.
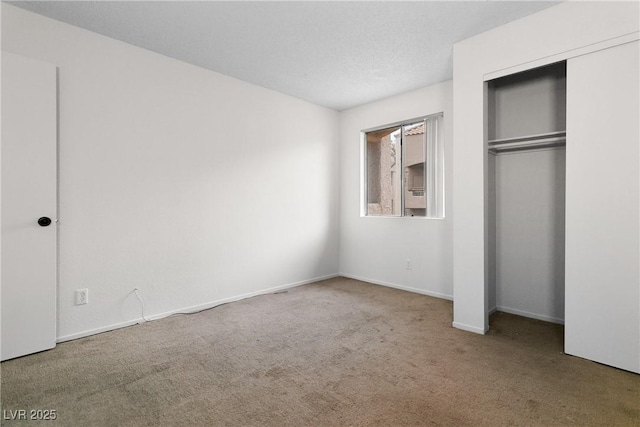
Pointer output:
x,y
335,54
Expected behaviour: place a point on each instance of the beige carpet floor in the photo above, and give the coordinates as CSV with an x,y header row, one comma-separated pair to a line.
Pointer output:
x,y
335,353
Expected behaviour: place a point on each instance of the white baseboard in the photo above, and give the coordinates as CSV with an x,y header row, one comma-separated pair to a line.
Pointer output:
x,y
469,328
457,325
100,330
401,287
531,315
191,309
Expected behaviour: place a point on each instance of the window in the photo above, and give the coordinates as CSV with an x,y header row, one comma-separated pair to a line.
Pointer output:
x,y
404,169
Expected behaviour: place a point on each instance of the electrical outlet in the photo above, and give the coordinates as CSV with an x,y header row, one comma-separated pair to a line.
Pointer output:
x,y
409,264
82,296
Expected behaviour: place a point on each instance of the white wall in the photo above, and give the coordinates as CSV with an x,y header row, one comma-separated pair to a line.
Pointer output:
x,y
190,185
529,235
548,36
376,249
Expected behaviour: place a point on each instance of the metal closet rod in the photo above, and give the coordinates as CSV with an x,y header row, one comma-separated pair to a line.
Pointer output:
x,y
543,140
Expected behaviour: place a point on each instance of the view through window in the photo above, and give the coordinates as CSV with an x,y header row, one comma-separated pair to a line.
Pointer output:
x,y
405,169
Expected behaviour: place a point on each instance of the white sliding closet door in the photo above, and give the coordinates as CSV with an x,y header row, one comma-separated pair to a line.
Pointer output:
x,y
602,300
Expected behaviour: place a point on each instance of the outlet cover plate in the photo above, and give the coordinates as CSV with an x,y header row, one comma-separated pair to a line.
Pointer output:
x,y
82,296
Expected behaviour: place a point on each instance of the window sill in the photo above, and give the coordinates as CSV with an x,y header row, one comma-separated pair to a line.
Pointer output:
x,y
419,218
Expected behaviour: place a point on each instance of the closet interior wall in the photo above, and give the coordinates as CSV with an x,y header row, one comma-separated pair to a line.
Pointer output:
x,y
525,127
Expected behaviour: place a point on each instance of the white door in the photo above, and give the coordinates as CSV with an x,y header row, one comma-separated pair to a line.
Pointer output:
x,y
602,285
28,253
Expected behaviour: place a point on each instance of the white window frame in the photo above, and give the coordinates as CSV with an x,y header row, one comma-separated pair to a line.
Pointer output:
x,y
434,151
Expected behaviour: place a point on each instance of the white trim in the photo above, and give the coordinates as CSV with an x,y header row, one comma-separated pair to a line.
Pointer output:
x,y
530,315
469,328
563,56
403,122
364,202
417,218
90,332
401,287
192,309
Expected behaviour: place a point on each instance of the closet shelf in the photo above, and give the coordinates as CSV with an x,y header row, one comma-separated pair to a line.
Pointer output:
x,y
529,142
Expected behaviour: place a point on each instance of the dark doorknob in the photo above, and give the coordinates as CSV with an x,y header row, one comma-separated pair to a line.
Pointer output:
x,y
44,221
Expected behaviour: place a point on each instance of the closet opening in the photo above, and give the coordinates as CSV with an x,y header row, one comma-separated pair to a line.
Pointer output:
x,y
525,125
